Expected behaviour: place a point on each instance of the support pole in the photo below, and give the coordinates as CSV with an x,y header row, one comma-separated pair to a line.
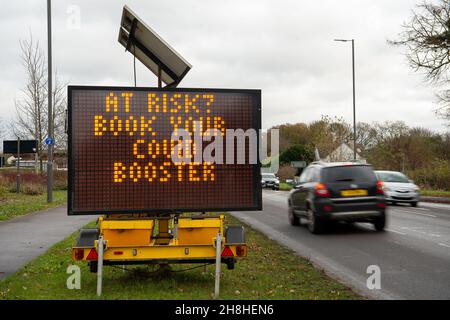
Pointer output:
x,y
175,227
134,63
49,100
218,265
100,243
354,102
18,166
159,77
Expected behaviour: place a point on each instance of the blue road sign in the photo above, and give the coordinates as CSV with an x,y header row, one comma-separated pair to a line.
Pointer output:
x,y
49,141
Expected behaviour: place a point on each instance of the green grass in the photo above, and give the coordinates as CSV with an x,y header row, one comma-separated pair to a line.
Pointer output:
x,y
18,204
435,193
285,186
269,272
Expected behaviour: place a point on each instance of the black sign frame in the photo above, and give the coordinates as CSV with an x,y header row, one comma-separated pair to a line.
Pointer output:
x,y
257,188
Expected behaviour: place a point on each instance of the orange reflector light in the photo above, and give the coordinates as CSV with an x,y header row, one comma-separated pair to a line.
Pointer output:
x,y
227,252
78,254
241,251
322,190
92,255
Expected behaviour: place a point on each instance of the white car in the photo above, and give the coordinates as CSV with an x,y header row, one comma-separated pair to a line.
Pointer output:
x,y
398,188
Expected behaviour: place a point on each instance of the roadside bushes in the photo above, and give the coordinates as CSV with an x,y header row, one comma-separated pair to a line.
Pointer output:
x,y
60,180
32,189
31,183
436,176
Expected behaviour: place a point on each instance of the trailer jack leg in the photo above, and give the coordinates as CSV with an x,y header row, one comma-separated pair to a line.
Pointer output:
x,y
218,265
101,244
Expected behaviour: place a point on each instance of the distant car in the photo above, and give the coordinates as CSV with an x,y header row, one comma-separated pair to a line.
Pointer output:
x,y
270,180
398,188
337,191
290,182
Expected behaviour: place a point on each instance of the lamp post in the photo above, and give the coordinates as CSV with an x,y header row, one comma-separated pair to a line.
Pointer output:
x,y
49,100
354,104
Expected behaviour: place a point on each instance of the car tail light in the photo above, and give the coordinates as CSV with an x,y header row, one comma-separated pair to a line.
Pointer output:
x,y
241,251
327,208
380,187
381,205
78,254
227,252
92,255
322,190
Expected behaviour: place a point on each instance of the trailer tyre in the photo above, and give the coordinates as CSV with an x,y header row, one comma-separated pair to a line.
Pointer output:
x,y
93,266
230,264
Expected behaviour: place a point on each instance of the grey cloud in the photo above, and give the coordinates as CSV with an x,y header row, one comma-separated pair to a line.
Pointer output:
x,y
283,47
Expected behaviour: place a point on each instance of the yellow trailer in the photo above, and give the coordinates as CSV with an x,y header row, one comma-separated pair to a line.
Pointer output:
x,y
130,239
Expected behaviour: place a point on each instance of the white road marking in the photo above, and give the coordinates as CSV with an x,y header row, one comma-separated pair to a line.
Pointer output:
x,y
444,245
435,205
424,214
395,231
418,213
422,209
422,232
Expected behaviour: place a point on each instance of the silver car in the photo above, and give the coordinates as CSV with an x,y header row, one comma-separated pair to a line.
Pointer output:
x,y
398,188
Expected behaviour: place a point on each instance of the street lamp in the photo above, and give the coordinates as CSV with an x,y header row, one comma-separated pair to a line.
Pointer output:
x,y
49,100
354,107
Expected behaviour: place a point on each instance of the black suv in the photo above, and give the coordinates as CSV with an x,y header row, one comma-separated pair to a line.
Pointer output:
x,y
337,191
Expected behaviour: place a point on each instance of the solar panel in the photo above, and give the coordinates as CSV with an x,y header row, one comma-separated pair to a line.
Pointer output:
x,y
149,48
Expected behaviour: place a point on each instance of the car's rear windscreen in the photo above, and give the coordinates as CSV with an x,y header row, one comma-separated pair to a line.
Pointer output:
x,y
351,173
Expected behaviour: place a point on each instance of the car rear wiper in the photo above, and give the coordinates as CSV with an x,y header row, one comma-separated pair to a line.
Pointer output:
x,y
346,179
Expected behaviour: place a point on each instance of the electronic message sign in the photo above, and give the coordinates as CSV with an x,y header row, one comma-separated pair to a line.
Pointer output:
x,y
128,150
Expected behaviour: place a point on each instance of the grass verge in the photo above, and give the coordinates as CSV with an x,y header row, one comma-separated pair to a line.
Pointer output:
x,y
18,204
435,193
269,272
285,186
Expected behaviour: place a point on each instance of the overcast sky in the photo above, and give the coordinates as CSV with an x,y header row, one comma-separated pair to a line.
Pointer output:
x,y
284,47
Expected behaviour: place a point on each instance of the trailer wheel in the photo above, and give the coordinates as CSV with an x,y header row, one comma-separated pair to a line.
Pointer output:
x,y
230,264
93,266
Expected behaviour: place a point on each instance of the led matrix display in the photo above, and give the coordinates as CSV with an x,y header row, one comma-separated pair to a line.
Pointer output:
x,y
120,150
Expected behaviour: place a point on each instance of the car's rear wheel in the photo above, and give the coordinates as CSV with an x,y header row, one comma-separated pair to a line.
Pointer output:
x,y
315,225
293,219
380,223
414,204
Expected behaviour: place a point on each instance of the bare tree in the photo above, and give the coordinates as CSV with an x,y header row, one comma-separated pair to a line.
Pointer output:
x,y
427,39
31,113
32,109
443,99
2,128
59,113
365,136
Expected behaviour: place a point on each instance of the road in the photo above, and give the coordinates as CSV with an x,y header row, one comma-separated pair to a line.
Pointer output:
x,y
24,238
413,253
